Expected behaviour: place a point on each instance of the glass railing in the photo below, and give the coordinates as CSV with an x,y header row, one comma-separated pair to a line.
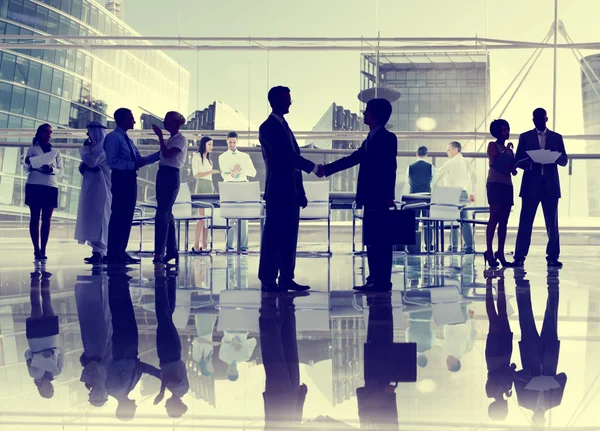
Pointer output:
x,y
578,208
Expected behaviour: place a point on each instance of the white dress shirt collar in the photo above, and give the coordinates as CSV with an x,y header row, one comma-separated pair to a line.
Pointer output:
x,y
542,132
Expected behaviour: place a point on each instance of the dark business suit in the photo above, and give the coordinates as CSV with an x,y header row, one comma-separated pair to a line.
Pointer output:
x,y
284,394
375,190
540,184
377,406
284,194
539,351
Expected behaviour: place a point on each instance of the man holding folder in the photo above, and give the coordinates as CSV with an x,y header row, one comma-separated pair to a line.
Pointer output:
x,y
540,184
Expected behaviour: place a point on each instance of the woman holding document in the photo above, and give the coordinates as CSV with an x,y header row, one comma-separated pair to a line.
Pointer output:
x,y
499,190
43,164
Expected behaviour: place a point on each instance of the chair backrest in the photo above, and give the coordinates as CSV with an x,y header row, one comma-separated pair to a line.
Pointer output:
x,y
399,192
183,203
446,306
317,195
445,203
240,200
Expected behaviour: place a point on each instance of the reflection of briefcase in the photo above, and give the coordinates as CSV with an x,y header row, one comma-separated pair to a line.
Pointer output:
x,y
393,362
389,226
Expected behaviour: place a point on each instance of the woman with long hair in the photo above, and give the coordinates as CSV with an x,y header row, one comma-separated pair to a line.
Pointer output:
x,y
173,155
499,190
43,164
202,169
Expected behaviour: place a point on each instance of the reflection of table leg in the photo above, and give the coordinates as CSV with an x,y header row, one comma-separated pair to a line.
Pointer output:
x,y
178,235
442,235
239,236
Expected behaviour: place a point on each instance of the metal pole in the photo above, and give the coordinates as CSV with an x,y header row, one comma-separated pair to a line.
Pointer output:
x,y
377,67
555,64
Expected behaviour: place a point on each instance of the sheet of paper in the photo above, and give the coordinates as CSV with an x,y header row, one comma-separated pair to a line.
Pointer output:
x,y
545,157
542,383
44,159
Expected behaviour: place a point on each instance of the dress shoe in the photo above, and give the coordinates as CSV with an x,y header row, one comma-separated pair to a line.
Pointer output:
x,y
292,285
129,259
367,286
95,259
553,263
518,263
469,250
270,288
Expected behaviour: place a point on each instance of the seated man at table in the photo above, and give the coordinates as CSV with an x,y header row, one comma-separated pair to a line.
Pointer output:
x,y
376,185
419,177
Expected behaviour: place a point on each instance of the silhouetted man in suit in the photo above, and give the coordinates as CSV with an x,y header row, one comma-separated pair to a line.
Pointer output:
x,y
284,395
284,195
540,184
125,369
377,407
538,385
376,185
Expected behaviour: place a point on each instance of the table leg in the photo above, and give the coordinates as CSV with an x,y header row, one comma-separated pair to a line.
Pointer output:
x,y
187,235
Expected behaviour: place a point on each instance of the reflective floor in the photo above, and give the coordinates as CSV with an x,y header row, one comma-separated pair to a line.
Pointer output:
x,y
199,347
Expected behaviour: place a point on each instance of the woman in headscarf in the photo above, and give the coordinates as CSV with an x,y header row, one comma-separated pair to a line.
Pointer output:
x,y
43,165
93,212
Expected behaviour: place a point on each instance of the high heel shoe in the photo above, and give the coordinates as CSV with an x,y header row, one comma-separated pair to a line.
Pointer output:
x,y
490,260
171,256
502,259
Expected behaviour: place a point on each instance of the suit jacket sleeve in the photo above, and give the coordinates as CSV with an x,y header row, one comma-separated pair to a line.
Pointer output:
x,y
389,163
523,160
560,147
346,162
282,152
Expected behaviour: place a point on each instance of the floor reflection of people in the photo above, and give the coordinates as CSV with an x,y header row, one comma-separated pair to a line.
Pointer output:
x,y
173,372
498,350
236,348
91,297
203,345
458,340
284,395
44,357
377,408
538,385
125,369
419,331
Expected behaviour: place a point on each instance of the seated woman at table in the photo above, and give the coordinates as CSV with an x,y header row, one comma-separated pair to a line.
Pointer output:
x,y
499,190
202,169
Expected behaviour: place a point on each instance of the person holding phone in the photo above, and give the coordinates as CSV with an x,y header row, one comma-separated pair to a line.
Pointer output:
x,y
499,190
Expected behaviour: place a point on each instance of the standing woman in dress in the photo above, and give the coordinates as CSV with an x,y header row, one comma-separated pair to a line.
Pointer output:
x,y
202,168
173,155
499,190
41,188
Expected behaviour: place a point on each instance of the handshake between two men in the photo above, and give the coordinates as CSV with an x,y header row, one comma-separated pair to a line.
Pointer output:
x,y
320,171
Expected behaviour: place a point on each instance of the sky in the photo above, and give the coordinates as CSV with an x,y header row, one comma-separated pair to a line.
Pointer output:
x,y
317,79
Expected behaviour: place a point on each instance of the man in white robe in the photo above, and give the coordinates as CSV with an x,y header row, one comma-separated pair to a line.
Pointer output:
x,y
93,213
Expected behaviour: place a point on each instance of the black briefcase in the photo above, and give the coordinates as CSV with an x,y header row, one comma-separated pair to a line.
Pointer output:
x,y
389,226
